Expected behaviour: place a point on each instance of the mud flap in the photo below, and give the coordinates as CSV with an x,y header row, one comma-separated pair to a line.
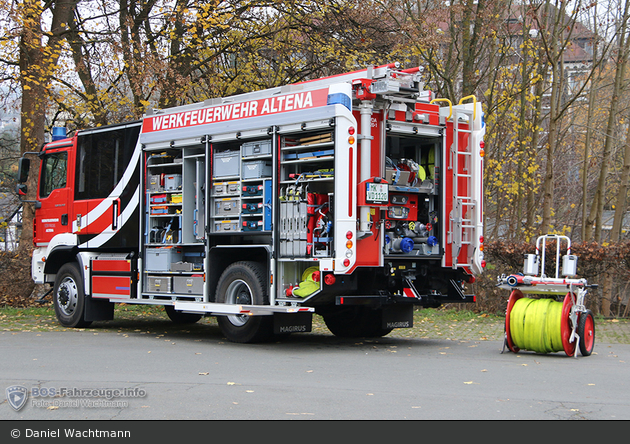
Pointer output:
x,y
98,310
397,316
284,323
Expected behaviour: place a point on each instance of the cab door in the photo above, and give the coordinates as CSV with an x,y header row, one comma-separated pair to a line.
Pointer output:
x,y
54,197
106,187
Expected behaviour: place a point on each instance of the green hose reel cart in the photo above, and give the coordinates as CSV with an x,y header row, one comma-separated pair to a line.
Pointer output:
x,y
555,319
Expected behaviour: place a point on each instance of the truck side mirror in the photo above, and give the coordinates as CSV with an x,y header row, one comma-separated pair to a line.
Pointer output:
x,y
21,189
24,166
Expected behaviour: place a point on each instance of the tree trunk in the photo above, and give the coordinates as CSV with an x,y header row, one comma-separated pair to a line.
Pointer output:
x,y
621,202
37,63
597,207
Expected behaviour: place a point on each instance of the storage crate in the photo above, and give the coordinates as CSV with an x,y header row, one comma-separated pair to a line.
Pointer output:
x,y
176,198
226,226
172,182
181,266
159,284
256,148
160,259
188,284
227,206
255,169
226,163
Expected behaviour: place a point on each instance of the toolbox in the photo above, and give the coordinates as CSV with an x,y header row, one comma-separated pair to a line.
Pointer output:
x,y
188,284
159,284
253,208
228,206
158,198
225,188
155,183
222,226
253,225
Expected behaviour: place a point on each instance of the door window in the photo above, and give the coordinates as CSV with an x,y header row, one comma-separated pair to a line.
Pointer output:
x,y
54,172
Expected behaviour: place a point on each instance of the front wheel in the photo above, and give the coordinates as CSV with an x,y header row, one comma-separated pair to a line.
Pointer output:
x,y
69,296
244,283
586,331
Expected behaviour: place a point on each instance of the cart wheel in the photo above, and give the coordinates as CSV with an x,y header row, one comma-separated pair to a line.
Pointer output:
x,y
565,325
586,331
514,296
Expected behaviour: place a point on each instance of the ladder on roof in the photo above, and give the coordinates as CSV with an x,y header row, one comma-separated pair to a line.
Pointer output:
x,y
462,227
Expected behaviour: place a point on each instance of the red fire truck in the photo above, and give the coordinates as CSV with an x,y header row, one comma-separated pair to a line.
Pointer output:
x,y
356,197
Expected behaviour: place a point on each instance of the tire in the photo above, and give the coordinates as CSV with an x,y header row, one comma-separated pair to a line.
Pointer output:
x,y
69,297
179,317
586,331
356,322
244,283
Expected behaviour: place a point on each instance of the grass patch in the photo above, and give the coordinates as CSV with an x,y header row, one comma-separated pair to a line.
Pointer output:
x,y
430,323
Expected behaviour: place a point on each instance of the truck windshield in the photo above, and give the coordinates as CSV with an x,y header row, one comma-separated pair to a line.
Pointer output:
x,y
54,171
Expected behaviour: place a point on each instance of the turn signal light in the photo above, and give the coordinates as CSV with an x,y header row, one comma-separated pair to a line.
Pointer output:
x,y
351,140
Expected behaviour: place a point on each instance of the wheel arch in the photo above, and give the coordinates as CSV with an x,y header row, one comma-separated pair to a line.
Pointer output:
x,y
60,256
221,257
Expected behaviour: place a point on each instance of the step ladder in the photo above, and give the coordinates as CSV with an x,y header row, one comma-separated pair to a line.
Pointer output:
x,y
462,227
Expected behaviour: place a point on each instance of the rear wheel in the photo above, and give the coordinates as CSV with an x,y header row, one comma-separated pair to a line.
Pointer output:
x,y
356,322
69,296
586,331
244,283
179,317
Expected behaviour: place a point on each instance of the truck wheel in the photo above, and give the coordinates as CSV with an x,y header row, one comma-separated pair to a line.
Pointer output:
x,y
356,322
586,331
244,283
179,317
69,296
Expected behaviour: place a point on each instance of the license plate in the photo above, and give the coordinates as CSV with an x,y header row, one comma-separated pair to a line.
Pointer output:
x,y
376,193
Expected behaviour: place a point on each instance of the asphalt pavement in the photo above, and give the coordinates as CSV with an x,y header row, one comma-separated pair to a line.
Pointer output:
x,y
144,375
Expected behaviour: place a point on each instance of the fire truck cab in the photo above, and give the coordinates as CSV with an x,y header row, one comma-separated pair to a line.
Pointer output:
x,y
357,197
